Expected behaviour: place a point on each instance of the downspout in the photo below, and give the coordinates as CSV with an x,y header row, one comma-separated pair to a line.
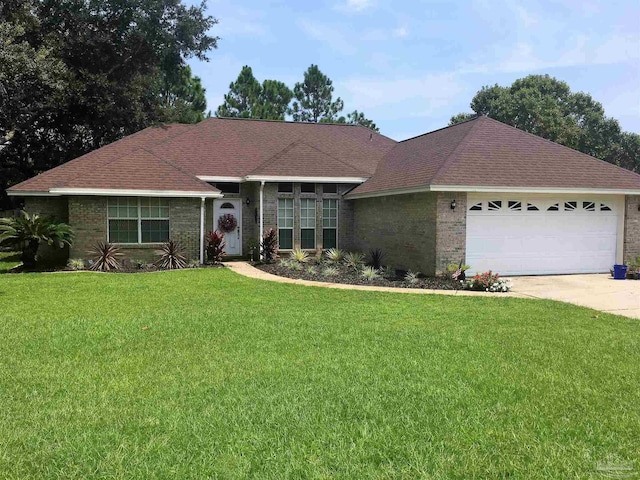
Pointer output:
x,y
261,218
202,208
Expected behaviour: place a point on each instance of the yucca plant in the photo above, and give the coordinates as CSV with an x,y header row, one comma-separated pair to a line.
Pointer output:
x,y
25,233
376,257
312,269
369,273
105,257
295,266
334,255
75,264
285,262
299,255
411,277
171,256
354,260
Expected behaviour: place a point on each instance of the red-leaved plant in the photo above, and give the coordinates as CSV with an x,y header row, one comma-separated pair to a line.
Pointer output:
x,y
269,245
215,245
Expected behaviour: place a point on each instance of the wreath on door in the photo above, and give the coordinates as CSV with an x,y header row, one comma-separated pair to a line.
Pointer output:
x,y
227,223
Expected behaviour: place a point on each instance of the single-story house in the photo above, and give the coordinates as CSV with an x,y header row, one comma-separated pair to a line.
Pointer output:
x,y
481,191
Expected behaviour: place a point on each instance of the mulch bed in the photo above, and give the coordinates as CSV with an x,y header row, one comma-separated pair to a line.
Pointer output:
x,y
348,276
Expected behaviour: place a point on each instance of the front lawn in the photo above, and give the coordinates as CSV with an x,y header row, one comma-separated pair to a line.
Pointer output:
x,y
8,260
207,374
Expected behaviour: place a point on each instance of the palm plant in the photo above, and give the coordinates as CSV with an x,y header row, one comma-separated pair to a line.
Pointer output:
x,y
171,257
105,257
26,232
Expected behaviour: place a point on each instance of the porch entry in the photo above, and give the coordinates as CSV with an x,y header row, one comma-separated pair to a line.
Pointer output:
x,y
224,211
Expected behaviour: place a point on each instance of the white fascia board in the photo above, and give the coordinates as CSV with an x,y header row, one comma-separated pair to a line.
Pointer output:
x,y
205,178
553,190
26,193
133,193
273,178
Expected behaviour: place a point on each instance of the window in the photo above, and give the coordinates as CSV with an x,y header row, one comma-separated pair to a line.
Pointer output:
x,y
329,223
308,188
589,206
554,208
570,206
307,223
532,208
494,205
285,223
477,207
138,220
228,187
515,205
330,188
285,188
604,208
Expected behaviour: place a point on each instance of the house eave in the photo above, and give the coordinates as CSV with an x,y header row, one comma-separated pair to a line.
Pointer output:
x,y
134,192
285,178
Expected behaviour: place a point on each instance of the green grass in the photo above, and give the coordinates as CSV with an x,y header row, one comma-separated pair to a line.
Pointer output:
x,y
206,374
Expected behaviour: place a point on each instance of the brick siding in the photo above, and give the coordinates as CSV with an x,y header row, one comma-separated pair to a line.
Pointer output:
x,y
632,227
451,228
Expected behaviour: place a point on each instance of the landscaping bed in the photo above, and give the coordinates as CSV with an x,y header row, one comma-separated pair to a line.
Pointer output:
x,y
346,275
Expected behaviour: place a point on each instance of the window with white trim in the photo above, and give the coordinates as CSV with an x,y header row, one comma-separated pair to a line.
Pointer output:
x,y
137,220
285,223
307,223
329,223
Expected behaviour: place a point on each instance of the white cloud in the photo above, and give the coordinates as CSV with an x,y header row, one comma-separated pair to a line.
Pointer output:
x,y
329,35
355,6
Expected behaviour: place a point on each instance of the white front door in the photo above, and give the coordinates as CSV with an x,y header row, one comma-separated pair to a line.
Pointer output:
x,y
542,234
221,210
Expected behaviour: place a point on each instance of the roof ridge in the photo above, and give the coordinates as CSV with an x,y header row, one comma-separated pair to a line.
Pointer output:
x,y
561,145
449,160
440,129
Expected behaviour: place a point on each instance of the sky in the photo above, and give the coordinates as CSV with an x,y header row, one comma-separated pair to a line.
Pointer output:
x,y
411,65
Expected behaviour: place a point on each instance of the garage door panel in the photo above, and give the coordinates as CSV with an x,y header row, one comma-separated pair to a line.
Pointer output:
x,y
542,242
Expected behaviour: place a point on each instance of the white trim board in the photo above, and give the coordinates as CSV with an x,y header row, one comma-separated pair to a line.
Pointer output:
x,y
274,178
133,192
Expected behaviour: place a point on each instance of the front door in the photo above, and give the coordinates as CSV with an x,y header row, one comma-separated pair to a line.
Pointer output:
x,y
227,219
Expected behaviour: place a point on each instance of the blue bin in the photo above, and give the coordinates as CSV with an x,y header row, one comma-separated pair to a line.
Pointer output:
x,y
619,272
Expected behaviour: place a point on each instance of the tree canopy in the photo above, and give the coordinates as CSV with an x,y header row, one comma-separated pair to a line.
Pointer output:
x,y
78,74
547,107
247,98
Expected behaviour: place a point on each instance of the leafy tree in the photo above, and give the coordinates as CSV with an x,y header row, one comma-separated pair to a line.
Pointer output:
x,y
27,232
547,107
242,98
78,74
248,99
358,118
314,98
183,98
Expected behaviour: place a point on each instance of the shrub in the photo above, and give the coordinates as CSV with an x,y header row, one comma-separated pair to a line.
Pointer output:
x,y
487,282
312,270
334,255
411,277
375,257
138,264
26,232
299,255
285,262
354,260
171,256
296,266
105,257
75,264
214,247
457,272
194,263
269,245
369,273
330,271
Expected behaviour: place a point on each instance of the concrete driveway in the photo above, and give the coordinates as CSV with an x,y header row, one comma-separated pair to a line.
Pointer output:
x,y
599,291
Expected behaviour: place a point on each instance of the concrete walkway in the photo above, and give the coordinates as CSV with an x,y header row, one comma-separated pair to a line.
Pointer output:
x,y
598,291
621,297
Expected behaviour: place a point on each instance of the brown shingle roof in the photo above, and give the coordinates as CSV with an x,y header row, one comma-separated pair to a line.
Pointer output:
x,y
486,153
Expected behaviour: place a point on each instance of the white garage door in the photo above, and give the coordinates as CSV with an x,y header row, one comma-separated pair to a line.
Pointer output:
x,y
537,235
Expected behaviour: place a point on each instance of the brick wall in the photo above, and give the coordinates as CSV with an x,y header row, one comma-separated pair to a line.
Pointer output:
x,y
402,226
451,229
184,225
55,208
632,227
88,218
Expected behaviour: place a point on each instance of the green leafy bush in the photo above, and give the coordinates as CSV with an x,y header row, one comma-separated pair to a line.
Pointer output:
x,y
334,255
369,273
330,271
75,264
412,277
299,255
26,232
354,260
